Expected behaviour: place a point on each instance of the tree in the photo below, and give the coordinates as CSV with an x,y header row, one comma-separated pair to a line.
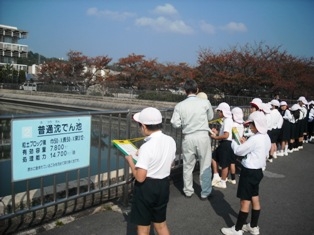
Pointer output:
x,y
134,70
257,70
77,69
7,72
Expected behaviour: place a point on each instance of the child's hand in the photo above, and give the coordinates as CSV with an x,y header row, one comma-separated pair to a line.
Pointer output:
x,y
215,131
128,158
242,140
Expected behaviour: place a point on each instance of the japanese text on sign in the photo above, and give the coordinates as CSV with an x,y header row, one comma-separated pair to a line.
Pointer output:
x,y
49,146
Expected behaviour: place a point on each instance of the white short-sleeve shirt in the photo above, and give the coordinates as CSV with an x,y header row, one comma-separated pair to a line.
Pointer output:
x,y
156,155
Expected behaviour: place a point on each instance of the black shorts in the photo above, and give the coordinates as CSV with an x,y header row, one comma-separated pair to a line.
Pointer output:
x,y
249,183
223,154
285,134
150,201
293,131
298,129
274,135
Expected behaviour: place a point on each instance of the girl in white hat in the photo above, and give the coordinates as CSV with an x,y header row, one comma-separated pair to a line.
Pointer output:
x,y
237,117
223,154
285,134
255,149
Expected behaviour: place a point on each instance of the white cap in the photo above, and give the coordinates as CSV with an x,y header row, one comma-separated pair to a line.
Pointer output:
x,y
148,116
237,115
225,108
202,95
265,107
282,103
295,107
257,102
275,103
259,120
302,99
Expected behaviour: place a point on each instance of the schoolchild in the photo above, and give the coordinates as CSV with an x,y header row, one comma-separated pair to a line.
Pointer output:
x,y
265,107
294,128
151,173
255,105
202,95
223,154
303,120
311,121
237,117
255,149
285,135
276,124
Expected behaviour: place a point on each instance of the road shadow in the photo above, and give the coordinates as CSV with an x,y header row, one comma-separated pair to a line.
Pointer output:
x,y
222,207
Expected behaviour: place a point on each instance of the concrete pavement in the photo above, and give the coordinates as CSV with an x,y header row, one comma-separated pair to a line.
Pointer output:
x,y
287,200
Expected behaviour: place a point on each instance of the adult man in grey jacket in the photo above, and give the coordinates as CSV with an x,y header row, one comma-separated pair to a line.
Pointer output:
x,y
193,114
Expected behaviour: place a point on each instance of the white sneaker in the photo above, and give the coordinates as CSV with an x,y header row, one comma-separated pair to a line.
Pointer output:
x,y
220,184
275,155
286,153
301,147
280,154
231,181
296,149
215,181
290,150
248,228
231,231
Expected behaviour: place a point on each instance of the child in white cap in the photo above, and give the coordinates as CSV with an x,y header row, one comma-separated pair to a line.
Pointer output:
x,y
276,124
151,172
310,127
294,129
223,154
237,117
303,120
255,149
285,134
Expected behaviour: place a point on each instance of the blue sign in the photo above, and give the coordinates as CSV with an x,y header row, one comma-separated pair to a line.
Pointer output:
x,y
47,146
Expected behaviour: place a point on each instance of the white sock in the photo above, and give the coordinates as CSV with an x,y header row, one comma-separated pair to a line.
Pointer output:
x,y
216,176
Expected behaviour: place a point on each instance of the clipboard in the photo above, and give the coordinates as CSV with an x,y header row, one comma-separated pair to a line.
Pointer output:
x,y
127,148
235,135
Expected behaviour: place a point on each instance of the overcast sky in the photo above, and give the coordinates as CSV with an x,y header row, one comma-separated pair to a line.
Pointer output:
x,y
169,31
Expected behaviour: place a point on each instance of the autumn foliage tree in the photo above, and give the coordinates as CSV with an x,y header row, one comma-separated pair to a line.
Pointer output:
x,y
257,70
77,69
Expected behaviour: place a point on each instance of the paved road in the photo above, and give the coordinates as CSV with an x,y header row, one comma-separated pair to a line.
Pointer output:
x,y
287,197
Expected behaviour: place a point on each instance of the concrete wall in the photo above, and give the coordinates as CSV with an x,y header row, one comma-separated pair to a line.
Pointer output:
x,y
83,101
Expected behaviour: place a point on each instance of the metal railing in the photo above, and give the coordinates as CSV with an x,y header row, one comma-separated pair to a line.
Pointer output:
x,y
38,200
52,196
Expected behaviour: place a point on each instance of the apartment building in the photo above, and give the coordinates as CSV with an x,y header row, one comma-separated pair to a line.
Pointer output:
x,y
10,49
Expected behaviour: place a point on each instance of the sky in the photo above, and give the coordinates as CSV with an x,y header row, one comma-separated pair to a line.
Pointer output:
x,y
168,31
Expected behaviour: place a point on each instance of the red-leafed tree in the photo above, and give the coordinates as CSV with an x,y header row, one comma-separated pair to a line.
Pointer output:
x,y
77,69
257,70
135,71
